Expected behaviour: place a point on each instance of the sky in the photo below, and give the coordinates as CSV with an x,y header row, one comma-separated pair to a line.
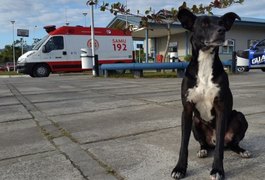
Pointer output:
x,y
35,14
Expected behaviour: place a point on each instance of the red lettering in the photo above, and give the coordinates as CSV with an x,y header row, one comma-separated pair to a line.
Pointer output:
x,y
114,41
119,47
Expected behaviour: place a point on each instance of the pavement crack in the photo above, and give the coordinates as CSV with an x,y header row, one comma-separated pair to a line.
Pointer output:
x,y
163,104
74,164
15,120
108,168
130,135
26,155
100,110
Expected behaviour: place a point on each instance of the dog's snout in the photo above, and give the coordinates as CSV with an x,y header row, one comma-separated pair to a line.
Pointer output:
x,y
221,30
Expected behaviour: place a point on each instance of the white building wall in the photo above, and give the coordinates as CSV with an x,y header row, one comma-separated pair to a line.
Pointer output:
x,y
241,34
179,38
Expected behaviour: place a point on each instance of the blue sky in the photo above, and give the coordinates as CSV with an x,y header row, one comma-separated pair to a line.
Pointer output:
x,y
35,14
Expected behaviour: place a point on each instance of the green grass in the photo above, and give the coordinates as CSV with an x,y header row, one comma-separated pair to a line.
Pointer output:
x,y
128,74
147,74
161,74
8,73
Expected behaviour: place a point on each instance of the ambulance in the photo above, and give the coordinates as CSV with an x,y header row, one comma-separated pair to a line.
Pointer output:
x,y
253,58
60,50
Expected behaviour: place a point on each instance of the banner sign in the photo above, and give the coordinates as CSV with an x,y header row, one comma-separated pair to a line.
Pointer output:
x,y
23,32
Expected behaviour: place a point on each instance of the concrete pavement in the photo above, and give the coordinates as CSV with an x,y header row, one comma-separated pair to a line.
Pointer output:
x,y
78,127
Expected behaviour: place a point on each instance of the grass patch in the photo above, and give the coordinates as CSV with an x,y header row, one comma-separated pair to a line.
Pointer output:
x,y
147,74
125,75
166,74
9,73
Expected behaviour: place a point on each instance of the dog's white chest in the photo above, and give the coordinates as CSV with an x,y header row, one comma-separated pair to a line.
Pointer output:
x,y
203,94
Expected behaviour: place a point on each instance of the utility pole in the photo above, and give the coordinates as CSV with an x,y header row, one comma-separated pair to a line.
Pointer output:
x,y
92,3
14,58
84,13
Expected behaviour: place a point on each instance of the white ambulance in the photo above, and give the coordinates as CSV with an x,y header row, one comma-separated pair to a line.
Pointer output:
x,y
60,50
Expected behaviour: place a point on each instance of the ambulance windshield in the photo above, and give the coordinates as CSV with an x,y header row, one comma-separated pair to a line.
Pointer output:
x,y
38,45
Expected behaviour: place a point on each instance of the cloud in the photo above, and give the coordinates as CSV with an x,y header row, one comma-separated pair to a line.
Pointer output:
x,y
247,9
31,13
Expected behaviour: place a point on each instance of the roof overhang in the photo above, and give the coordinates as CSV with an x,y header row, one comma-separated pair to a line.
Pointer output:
x,y
156,32
154,29
160,29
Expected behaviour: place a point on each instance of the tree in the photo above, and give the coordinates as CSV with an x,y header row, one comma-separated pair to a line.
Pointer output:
x,y
164,16
35,41
6,55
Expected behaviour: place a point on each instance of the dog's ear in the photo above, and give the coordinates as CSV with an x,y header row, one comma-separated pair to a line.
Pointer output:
x,y
186,18
229,19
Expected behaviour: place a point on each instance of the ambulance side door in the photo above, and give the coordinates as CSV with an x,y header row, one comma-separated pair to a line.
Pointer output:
x,y
54,49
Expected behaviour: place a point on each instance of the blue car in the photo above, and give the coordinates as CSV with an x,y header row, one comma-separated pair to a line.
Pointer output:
x,y
253,58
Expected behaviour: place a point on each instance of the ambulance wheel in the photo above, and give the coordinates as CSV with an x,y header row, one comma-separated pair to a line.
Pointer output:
x,y
41,70
263,69
242,69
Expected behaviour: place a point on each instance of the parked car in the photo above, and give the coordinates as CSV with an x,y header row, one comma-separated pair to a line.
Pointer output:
x,y
2,68
253,58
9,66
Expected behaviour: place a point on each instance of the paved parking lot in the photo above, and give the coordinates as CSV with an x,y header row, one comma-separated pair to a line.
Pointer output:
x,y
79,127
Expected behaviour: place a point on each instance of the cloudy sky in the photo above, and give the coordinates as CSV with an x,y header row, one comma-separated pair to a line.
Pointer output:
x,y
35,14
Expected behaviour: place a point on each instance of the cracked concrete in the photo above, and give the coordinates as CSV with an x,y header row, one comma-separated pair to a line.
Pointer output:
x,y
77,127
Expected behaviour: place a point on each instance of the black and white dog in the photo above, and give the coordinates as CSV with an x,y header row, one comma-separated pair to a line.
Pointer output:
x,y
206,96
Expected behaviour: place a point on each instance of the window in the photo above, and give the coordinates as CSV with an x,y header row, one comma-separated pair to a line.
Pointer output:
x,y
55,43
228,47
261,45
39,43
252,42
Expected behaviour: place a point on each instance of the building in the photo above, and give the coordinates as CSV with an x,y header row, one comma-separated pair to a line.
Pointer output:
x,y
242,35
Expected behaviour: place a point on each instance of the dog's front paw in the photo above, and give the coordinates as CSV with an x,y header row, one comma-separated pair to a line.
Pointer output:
x,y
245,154
202,153
178,173
217,175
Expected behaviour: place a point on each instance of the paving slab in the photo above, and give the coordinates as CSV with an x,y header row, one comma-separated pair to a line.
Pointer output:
x,y
77,106
21,138
46,166
86,164
13,113
113,123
